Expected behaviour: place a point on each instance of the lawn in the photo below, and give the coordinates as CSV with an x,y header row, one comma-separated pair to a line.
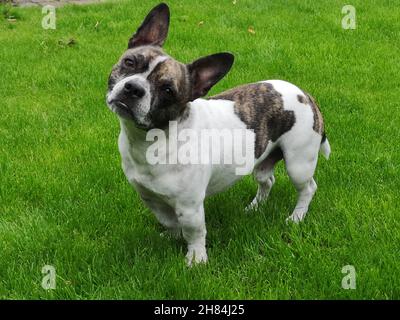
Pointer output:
x,y
65,202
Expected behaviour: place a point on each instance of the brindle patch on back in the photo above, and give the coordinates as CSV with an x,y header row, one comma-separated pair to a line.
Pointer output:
x,y
318,120
260,107
318,125
301,99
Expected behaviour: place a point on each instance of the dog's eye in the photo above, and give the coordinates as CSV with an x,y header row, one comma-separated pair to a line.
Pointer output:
x,y
130,63
167,89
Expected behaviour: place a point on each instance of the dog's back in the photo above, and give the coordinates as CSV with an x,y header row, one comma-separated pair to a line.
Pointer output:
x,y
288,125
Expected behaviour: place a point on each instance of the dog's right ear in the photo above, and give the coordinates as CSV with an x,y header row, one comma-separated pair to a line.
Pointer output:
x,y
207,71
154,29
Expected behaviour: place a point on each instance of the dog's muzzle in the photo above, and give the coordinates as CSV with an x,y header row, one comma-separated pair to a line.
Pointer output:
x,y
126,102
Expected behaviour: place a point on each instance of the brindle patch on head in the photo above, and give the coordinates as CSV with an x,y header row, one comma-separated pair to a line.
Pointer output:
x,y
260,107
318,120
168,73
141,58
170,106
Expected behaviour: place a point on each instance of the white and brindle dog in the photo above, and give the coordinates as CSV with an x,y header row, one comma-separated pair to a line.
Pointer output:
x,y
148,89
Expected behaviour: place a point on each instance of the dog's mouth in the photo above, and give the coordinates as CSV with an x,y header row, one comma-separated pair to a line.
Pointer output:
x,y
123,110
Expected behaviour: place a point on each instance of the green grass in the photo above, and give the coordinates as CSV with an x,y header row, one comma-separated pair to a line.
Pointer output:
x,y
64,200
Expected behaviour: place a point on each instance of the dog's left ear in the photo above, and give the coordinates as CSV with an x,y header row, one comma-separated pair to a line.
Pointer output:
x,y
154,29
207,71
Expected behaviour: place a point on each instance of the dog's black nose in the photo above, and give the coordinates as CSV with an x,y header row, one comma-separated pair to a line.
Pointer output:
x,y
134,90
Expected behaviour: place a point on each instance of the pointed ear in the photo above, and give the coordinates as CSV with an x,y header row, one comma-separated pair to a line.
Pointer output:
x,y
207,71
154,28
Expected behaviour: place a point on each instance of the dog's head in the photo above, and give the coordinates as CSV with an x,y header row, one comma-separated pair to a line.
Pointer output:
x,y
149,87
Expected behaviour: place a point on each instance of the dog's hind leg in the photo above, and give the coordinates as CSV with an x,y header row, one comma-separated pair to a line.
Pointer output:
x,y
306,192
264,175
301,167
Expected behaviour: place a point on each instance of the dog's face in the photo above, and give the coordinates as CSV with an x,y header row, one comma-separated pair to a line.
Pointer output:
x,y
149,87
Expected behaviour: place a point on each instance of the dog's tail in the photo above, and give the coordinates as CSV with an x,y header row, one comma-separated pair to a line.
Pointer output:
x,y
325,147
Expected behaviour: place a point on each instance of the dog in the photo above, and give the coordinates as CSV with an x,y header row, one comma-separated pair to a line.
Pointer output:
x,y
148,90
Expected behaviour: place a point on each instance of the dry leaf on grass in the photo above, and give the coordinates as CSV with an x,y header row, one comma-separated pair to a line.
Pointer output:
x,y
251,30
69,42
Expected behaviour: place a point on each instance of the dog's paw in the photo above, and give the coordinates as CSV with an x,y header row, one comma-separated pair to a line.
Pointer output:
x,y
297,216
253,206
196,255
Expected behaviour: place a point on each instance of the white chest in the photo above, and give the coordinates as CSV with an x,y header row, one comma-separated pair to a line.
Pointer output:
x,y
223,164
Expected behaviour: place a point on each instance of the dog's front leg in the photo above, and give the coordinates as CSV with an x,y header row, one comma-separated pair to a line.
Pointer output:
x,y
192,221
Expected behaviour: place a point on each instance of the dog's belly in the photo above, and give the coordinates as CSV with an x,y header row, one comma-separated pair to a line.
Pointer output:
x,y
222,178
